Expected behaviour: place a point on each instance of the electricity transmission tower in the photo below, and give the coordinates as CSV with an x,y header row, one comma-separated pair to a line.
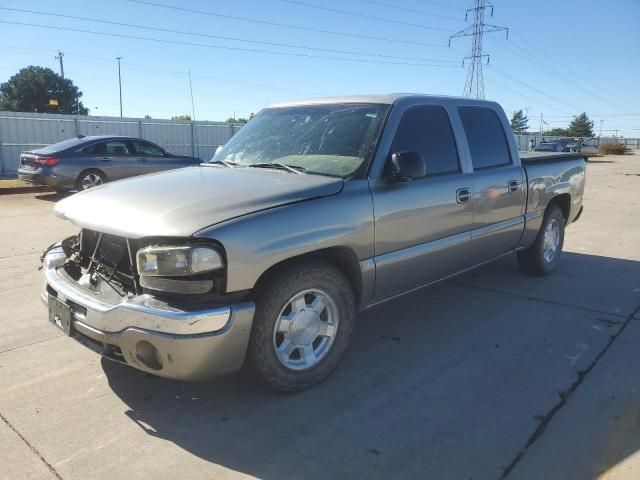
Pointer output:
x,y
474,85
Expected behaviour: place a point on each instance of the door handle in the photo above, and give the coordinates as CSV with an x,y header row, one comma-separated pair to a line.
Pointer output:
x,y
105,159
513,186
463,195
142,159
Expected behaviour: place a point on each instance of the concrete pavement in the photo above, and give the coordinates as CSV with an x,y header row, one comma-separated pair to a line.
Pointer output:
x,y
490,374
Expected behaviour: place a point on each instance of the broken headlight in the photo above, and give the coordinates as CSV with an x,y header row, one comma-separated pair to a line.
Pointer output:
x,y
178,261
166,261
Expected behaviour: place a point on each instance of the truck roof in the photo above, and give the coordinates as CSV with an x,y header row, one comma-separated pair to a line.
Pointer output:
x,y
384,99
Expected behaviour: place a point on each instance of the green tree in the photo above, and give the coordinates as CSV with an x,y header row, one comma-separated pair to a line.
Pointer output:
x,y
581,126
519,123
31,89
240,119
557,132
181,117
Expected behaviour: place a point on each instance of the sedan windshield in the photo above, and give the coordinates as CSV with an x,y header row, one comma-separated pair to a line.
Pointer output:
x,y
333,140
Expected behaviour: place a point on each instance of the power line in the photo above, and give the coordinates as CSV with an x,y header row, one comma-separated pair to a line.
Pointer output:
x,y
411,10
221,47
363,15
181,32
550,70
285,25
517,92
570,71
441,5
100,61
532,88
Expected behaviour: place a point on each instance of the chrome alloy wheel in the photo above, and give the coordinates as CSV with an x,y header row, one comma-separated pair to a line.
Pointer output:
x,y
551,241
91,180
305,329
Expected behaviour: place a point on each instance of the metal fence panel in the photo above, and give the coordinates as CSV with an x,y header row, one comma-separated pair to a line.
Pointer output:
x,y
26,131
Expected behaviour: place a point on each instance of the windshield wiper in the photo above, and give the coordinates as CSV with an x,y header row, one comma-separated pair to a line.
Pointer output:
x,y
290,168
221,162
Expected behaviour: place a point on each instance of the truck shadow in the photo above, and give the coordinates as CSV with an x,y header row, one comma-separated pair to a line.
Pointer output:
x,y
425,387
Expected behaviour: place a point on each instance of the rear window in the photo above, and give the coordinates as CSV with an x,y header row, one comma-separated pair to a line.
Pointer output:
x,y
60,146
486,138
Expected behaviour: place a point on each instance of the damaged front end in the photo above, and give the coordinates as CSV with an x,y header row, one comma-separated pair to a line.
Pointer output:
x,y
96,294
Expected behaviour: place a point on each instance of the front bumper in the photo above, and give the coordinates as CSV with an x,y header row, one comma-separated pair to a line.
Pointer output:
x,y
148,334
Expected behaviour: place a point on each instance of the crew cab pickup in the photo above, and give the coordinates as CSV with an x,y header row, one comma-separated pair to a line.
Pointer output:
x,y
313,211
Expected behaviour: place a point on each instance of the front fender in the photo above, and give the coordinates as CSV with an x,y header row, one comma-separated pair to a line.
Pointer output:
x,y
256,242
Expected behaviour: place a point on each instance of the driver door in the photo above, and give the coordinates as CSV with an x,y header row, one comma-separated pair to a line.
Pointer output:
x,y
423,227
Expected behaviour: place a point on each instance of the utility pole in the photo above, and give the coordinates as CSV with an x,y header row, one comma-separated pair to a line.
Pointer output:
x,y
59,57
474,85
193,117
541,122
120,84
600,134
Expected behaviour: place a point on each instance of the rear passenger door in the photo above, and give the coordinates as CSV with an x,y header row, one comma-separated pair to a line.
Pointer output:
x,y
498,184
114,158
422,227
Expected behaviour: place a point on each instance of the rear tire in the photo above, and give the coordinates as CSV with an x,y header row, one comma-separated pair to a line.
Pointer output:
x,y
89,179
543,256
303,321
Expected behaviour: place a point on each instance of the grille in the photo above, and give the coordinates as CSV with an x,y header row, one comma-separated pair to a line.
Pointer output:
x,y
108,256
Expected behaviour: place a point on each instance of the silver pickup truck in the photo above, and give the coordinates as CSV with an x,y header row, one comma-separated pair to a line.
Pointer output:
x,y
313,211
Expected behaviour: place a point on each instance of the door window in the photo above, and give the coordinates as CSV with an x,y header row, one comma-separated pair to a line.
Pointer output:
x,y
144,148
486,138
426,129
111,148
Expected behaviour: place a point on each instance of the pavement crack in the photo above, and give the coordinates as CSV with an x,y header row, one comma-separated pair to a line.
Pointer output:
x,y
536,299
32,343
33,449
564,398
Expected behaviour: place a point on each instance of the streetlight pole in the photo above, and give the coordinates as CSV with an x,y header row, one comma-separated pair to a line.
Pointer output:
x,y
120,84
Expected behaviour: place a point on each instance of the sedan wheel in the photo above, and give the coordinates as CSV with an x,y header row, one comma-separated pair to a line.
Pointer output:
x,y
90,180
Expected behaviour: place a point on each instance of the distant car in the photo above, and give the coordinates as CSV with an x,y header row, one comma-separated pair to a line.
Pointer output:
x,y
548,147
80,163
560,145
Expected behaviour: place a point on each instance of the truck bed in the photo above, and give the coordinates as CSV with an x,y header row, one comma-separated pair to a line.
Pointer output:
x,y
530,157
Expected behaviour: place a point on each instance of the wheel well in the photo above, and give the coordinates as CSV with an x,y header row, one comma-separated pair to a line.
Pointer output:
x,y
342,258
564,202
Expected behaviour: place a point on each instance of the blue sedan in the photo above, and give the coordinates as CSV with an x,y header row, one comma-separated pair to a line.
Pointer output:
x,y
84,162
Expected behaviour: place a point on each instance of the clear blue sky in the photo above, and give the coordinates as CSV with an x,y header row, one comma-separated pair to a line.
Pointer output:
x,y
572,55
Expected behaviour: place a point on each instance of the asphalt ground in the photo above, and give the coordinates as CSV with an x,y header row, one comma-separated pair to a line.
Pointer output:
x,y
491,374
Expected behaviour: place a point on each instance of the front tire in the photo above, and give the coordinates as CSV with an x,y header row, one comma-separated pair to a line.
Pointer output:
x,y
543,256
303,321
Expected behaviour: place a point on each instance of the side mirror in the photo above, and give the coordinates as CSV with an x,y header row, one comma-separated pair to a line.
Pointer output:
x,y
406,166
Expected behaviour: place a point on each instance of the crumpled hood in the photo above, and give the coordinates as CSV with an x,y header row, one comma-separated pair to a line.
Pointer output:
x,y
181,202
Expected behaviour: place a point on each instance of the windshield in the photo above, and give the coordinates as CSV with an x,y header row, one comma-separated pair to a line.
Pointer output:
x,y
331,140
